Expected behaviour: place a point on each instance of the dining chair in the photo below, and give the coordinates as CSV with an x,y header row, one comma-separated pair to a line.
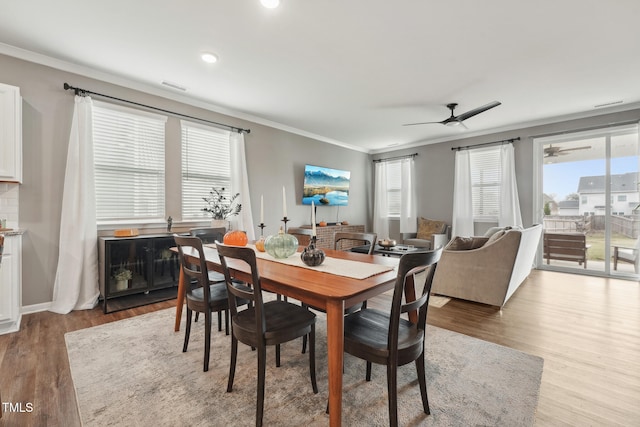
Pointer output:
x,y
339,238
303,234
262,323
201,295
386,338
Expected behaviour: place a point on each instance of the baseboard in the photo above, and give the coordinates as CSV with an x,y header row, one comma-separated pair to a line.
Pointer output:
x,y
35,308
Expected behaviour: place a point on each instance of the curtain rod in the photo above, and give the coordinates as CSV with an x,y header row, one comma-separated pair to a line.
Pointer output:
x,y
485,144
395,158
83,92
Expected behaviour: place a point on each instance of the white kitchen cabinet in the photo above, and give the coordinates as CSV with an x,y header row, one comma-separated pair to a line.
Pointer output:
x,y
11,284
10,133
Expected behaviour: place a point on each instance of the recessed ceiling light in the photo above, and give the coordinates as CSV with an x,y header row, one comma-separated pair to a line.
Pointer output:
x,y
209,57
270,4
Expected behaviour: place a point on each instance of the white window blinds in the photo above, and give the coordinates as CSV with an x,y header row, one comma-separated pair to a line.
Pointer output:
x,y
486,176
394,188
205,163
129,163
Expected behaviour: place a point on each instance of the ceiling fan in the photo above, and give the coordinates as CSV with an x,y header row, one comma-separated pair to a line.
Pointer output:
x,y
457,120
552,151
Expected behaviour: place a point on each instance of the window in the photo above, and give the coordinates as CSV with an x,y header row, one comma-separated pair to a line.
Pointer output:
x,y
622,198
206,163
486,175
584,200
129,163
394,188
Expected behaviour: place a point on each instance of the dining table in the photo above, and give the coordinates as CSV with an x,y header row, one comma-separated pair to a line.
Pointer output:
x,y
316,287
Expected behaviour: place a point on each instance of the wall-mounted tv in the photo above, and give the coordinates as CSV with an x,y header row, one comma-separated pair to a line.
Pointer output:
x,y
325,186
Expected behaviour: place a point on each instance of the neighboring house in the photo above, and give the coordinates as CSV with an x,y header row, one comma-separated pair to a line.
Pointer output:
x,y
624,194
569,207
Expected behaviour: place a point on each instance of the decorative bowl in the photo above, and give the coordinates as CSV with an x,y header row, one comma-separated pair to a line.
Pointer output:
x,y
387,243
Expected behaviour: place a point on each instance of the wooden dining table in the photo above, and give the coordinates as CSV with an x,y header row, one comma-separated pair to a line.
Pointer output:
x,y
324,290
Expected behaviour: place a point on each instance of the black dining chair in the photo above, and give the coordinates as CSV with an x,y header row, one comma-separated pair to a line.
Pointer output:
x,y
201,295
262,323
388,338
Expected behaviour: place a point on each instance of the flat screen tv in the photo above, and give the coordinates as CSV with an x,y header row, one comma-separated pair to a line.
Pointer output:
x,y
325,186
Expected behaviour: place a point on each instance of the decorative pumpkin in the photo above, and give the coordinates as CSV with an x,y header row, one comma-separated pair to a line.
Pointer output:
x,y
235,238
311,255
281,245
260,245
322,223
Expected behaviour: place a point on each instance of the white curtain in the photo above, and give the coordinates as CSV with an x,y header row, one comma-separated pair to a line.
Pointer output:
x,y
509,202
76,282
380,215
462,222
408,218
240,184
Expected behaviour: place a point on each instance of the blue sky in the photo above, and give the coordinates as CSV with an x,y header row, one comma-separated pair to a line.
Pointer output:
x,y
562,179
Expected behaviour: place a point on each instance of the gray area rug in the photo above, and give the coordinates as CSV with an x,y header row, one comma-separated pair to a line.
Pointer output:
x,y
133,372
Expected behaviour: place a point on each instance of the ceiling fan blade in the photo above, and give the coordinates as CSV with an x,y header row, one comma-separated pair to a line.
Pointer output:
x,y
471,113
586,147
422,123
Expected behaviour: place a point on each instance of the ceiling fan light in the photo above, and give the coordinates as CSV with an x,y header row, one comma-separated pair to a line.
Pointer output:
x,y
209,58
270,4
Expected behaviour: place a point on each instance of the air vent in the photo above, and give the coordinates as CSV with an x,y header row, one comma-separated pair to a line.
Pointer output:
x,y
608,104
174,86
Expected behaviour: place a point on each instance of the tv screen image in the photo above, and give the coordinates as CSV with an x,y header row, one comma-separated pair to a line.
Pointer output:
x,y
325,186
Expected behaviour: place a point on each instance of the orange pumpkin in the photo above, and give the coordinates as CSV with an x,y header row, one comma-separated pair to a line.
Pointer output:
x,y
260,245
235,238
322,223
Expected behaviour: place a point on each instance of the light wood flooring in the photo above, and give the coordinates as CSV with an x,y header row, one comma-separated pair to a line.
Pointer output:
x,y
587,329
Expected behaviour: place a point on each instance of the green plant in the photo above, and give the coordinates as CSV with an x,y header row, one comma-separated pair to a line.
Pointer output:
x,y
220,206
122,274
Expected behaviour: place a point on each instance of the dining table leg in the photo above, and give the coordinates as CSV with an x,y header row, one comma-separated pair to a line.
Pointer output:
x,y
335,351
179,300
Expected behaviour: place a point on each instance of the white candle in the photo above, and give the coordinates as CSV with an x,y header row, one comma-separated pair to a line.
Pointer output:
x,y
284,203
261,209
313,219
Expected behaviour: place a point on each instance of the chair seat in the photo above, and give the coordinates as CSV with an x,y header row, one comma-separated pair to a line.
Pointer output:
x,y
627,255
284,322
217,292
215,277
366,333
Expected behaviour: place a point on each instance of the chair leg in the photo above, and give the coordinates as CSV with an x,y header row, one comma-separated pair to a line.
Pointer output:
x,y
304,344
207,339
219,321
232,363
312,358
262,367
197,315
422,380
226,322
187,330
392,387
277,355
368,377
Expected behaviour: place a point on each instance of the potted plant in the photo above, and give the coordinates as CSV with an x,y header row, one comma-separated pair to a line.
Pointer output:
x,y
122,277
221,207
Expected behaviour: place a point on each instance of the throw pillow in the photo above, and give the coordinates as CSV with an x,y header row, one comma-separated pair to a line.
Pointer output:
x,y
496,236
429,227
465,243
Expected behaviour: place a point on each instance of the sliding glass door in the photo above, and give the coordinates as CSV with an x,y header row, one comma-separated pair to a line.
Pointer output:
x,y
589,201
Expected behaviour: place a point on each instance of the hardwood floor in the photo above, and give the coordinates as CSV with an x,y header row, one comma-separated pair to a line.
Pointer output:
x,y
587,329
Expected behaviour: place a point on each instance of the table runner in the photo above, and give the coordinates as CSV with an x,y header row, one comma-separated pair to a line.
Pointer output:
x,y
340,267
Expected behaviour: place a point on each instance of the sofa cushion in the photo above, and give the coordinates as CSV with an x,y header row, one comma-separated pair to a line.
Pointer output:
x,y
460,243
495,236
428,227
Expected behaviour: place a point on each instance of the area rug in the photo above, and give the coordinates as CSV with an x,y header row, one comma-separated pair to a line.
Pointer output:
x,y
133,372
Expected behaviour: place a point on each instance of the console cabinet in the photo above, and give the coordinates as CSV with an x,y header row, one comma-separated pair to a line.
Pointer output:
x,y
138,270
11,284
10,133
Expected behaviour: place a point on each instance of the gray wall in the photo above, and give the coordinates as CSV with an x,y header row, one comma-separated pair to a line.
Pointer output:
x,y
275,158
435,166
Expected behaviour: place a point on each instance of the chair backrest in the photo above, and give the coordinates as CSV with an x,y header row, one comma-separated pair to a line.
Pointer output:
x,y
236,291
340,236
305,232
209,234
415,268
195,271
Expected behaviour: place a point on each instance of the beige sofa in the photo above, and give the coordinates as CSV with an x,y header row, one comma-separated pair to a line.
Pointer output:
x,y
490,272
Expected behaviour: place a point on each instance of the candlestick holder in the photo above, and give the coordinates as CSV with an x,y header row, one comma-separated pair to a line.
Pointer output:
x,y
285,220
262,226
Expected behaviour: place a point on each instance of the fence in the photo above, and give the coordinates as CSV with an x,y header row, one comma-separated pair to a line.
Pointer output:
x,y
628,226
